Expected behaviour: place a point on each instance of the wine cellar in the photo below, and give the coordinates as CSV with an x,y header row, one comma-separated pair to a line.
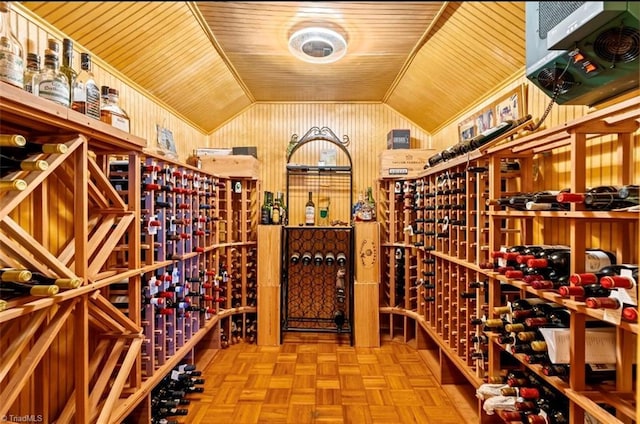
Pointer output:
x,y
293,240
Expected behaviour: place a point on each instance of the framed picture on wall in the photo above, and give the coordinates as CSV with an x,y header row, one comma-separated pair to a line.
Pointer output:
x,y
467,130
485,120
511,106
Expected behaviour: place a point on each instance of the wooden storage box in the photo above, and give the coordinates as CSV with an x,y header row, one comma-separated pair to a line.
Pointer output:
x,y
232,165
403,163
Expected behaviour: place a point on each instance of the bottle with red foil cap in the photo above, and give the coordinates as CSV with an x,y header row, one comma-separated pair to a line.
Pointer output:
x,y
558,259
523,392
580,279
552,417
514,416
602,303
590,290
618,282
630,313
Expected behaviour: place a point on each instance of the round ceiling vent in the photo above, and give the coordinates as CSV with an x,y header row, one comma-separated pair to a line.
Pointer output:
x,y
317,45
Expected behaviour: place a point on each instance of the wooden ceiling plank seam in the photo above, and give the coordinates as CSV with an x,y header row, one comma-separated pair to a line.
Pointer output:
x,y
106,15
414,52
196,12
105,41
150,40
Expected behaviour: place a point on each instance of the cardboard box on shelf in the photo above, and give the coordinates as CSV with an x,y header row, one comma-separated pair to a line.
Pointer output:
x,y
399,139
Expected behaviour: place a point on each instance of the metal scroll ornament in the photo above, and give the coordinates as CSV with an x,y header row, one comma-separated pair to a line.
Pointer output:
x,y
316,133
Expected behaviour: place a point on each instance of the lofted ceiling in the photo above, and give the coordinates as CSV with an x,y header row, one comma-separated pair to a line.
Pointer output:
x,y
208,61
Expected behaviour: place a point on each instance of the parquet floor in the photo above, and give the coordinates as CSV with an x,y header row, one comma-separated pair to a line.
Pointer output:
x,y
313,378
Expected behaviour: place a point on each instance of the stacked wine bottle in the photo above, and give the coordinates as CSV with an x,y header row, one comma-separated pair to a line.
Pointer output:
x,y
171,397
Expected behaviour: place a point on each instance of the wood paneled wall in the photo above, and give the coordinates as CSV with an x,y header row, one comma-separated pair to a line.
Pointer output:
x,y
269,126
144,110
554,169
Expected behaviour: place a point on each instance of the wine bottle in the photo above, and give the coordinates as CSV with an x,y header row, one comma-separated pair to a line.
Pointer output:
x,y
590,290
306,258
310,211
495,132
12,289
318,258
23,151
13,185
265,210
619,281
341,259
601,198
63,283
579,279
329,258
295,257
12,140
9,165
15,275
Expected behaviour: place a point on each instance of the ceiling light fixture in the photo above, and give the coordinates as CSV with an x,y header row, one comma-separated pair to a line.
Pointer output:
x,y
317,45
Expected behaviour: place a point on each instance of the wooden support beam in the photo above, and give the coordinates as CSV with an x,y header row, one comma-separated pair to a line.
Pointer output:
x,y
105,250
23,240
103,304
120,380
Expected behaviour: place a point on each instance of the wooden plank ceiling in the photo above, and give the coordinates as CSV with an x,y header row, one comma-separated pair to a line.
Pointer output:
x,y
208,61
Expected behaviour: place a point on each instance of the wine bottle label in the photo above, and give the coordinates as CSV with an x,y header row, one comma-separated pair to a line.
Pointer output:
x,y
596,260
11,68
55,91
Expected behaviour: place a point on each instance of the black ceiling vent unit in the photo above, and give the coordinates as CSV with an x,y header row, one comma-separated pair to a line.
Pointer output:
x,y
582,53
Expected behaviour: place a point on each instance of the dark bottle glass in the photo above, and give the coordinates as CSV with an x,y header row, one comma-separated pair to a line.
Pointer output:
x,y
306,258
329,258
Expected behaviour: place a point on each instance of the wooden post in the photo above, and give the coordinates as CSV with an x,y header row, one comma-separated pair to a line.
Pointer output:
x,y
269,277
367,284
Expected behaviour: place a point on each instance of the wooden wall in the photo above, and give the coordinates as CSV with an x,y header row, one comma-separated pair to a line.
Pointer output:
x,y
553,170
269,126
144,110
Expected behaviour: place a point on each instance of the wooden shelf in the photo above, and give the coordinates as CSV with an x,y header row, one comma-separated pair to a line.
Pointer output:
x,y
72,222
442,317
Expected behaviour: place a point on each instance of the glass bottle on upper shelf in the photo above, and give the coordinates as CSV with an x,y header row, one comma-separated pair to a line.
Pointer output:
x,y
11,60
111,112
52,84
86,94
32,69
67,66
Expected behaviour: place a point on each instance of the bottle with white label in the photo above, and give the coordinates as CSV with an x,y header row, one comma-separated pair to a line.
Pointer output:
x,y
52,84
310,211
11,60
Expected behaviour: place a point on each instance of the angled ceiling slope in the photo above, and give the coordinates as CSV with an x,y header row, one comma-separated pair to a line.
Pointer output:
x,y
427,60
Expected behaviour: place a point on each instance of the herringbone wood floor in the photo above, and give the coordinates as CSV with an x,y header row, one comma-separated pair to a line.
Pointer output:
x,y
314,378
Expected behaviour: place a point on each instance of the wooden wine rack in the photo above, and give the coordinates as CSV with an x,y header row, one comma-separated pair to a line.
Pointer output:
x,y
439,230
94,353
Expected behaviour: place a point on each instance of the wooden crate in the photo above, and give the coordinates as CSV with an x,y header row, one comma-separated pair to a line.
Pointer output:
x,y
403,163
232,165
